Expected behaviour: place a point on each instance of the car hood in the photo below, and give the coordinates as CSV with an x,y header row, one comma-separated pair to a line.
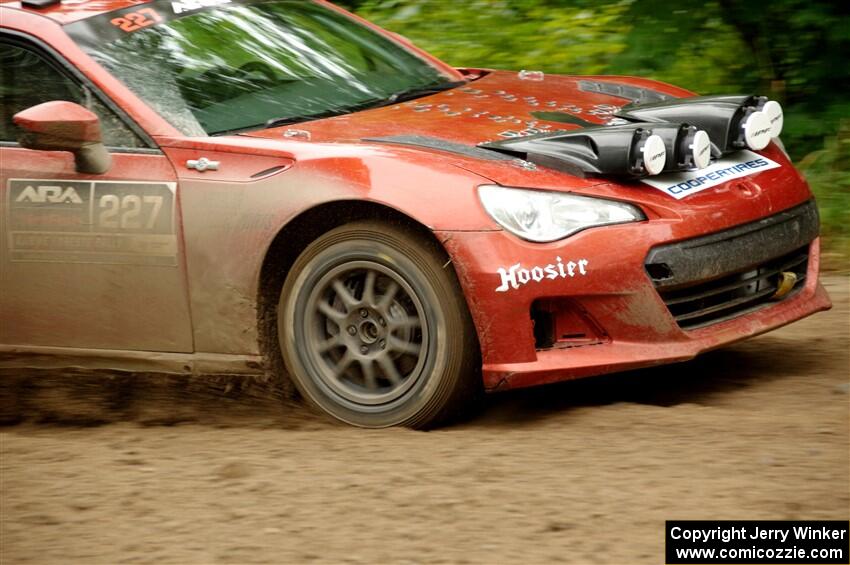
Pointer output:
x,y
448,127
498,105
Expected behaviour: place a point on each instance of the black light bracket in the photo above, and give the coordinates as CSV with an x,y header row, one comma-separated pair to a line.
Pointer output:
x,y
631,150
732,122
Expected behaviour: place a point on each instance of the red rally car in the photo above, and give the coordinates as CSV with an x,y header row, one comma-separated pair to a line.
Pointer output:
x,y
249,186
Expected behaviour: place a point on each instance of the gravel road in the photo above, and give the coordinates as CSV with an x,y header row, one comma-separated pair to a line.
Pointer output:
x,y
583,472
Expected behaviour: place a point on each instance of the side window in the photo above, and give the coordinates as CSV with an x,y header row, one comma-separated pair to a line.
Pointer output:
x,y
28,79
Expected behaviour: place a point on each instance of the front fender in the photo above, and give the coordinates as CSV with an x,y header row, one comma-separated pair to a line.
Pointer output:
x,y
232,215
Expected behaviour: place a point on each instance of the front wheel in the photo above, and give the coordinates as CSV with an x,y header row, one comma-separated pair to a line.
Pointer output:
x,y
375,331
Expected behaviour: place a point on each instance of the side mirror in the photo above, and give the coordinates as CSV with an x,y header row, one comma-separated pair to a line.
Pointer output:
x,y
65,126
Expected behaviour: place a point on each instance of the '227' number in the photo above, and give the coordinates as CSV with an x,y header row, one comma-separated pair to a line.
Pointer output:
x,y
126,213
136,20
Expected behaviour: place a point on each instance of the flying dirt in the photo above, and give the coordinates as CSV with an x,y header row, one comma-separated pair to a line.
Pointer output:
x,y
100,468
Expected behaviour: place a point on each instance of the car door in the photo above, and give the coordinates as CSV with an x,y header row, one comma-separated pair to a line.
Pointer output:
x,y
86,261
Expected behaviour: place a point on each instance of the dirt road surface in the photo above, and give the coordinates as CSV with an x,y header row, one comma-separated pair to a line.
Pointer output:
x,y
584,472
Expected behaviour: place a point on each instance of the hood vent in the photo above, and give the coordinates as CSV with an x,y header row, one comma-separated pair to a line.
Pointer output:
x,y
635,94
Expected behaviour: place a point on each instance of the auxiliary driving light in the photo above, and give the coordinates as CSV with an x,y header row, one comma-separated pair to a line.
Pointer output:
x,y
773,110
699,146
652,154
688,147
755,130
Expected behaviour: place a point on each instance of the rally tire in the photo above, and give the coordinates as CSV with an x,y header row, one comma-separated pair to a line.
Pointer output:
x,y
374,329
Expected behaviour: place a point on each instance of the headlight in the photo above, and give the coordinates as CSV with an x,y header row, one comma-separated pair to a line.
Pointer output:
x,y
549,216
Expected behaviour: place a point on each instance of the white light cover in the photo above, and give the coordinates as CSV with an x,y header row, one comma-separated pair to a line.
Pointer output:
x,y
701,149
654,154
773,110
757,131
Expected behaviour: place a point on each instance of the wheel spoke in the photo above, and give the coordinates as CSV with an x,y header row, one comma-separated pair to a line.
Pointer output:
x,y
330,343
409,322
390,370
396,344
369,288
343,364
369,378
388,296
332,313
344,294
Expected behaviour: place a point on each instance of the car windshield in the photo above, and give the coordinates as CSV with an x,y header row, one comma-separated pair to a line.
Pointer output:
x,y
212,67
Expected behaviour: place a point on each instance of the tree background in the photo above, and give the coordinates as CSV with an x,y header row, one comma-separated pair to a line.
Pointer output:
x,y
795,51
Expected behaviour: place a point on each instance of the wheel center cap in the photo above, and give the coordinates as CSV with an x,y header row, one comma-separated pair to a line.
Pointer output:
x,y
369,331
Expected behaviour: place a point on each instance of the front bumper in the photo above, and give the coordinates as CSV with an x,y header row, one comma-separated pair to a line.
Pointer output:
x,y
600,278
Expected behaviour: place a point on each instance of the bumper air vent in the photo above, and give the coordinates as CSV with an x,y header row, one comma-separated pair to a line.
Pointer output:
x,y
712,279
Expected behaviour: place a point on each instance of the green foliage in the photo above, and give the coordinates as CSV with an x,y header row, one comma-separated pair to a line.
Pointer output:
x,y
828,172
689,45
508,33
795,51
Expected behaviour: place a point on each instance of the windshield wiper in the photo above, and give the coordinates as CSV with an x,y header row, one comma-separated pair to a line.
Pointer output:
x,y
394,98
405,95
275,122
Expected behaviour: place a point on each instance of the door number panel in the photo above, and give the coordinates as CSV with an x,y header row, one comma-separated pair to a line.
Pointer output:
x,y
67,221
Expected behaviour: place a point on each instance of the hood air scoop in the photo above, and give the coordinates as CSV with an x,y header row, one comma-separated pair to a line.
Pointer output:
x,y
632,150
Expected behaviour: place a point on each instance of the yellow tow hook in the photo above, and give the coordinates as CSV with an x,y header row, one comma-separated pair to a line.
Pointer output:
x,y
786,284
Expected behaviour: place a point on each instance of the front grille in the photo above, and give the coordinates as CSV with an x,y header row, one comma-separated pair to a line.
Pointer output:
x,y
713,278
733,295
